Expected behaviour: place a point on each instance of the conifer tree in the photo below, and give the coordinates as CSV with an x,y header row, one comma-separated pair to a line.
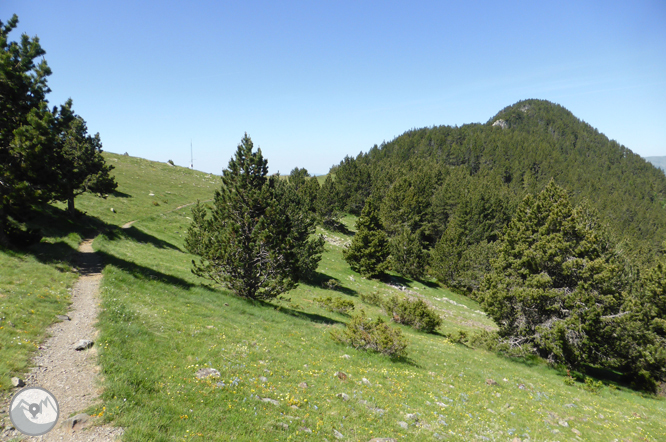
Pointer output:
x,y
556,282
255,243
310,193
80,165
369,250
327,204
641,331
26,127
408,256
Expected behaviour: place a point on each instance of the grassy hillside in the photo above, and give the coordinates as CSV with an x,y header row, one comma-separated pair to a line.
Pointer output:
x,y
35,283
160,324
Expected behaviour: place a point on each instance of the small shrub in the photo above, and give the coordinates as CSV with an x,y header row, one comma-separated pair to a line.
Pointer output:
x,y
331,284
592,386
569,380
413,312
155,203
339,305
373,298
376,335
459,337
171,162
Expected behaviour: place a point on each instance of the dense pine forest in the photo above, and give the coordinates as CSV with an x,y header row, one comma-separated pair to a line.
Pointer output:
x,y
556,230
431,178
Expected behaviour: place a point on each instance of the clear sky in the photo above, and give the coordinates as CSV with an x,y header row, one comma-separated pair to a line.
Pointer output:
x,y
313,81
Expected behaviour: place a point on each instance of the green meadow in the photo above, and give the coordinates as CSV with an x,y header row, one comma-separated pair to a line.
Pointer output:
x,y
282,377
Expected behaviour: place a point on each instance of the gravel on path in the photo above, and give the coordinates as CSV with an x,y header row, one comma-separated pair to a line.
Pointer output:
x,y
70,375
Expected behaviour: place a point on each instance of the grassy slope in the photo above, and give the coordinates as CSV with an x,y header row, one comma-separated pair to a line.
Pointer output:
x,y
160,324
35,283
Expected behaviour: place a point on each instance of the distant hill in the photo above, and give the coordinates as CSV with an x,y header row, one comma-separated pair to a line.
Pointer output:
x,y
524,146
659,162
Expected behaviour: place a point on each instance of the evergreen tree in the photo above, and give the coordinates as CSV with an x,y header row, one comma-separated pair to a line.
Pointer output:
x,y
641,331
354,184
80,165
27,138
298,223
369,250
298,176
310,192
255,243
556,281
327,204
408,256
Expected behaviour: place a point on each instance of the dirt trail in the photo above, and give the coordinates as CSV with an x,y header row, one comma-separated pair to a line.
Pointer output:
x,y
69,374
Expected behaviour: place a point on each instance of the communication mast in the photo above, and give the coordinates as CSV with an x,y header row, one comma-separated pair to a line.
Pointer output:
x,y
191,156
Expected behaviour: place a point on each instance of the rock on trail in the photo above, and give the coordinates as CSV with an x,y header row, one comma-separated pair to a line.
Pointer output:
x,y
69,374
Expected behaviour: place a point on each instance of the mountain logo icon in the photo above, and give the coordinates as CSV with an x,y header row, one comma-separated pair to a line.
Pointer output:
x,y
34,411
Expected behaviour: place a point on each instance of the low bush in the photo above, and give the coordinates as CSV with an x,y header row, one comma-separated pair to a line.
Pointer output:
x,y
373,298
413,312
338,305
376,335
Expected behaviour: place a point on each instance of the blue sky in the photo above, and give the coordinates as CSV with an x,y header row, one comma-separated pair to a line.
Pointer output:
x,y
314,81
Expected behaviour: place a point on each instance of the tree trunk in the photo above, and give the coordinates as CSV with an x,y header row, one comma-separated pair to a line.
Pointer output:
x,y
4,239
70,205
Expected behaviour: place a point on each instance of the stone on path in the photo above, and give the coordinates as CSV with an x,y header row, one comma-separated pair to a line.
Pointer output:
x,y
203,373
18,382
63,317
75,421
83,344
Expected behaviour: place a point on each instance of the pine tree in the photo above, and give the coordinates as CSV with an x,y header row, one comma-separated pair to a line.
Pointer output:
x,y
327,204
298,176
255,243
27,139
408,256
80,165
310,192
556,283
369,250
641,331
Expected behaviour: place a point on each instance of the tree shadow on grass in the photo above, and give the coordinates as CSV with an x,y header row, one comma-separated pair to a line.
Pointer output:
x,y
324,281
119,194
401,280
146,273
141,237
311,317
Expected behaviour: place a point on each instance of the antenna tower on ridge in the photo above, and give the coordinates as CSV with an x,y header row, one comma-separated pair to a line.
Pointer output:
x,y
191,156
